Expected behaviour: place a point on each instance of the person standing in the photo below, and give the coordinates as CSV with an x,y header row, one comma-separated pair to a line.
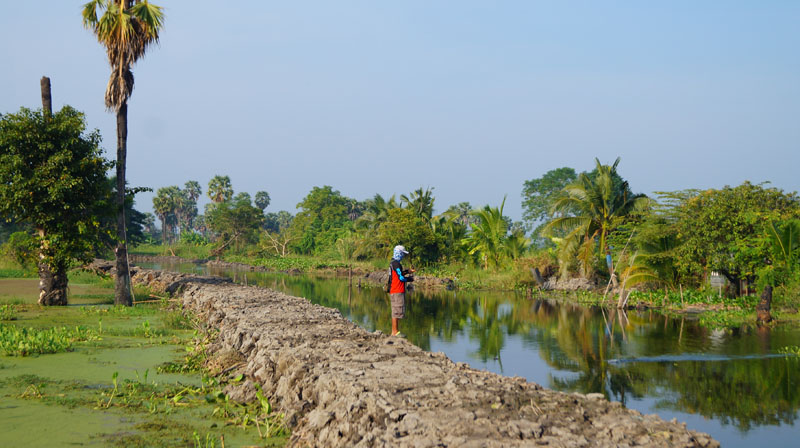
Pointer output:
x,y
398,277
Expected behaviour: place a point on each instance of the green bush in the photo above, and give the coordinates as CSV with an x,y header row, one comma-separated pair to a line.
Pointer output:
x,y
22,248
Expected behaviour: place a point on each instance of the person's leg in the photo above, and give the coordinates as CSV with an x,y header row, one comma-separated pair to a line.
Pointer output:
x,y
395,322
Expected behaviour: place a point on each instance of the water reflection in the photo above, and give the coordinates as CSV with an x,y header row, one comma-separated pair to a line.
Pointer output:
x,y
643,359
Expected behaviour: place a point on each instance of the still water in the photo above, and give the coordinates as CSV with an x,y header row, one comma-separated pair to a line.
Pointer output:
x,y
732,384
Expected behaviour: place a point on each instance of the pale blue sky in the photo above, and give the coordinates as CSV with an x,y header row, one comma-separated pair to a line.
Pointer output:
x,y
469,97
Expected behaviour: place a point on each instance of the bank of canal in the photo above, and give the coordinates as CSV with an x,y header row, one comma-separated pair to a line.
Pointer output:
x,y
734,384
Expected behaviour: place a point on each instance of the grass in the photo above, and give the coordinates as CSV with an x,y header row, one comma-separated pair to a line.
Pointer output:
x,y
183,250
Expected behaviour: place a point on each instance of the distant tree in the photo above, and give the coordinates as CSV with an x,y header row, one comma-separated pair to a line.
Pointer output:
x,y
167,204
53,176
134,219
277,222
262,200
462,212
220,189
723,230
538,196
243,197
323,217
193,190
126,28
149,223
234,222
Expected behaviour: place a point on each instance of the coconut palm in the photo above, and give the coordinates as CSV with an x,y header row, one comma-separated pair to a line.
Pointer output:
x,y
220,189
590,207
126,28
420,202
488,234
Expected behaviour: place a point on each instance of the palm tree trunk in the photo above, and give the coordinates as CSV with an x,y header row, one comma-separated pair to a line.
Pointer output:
x,y
122,285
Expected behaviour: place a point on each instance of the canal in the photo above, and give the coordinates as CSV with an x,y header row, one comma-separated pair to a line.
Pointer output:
x,y
734,384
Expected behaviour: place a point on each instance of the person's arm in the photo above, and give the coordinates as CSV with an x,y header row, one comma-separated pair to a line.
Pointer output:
x,y
400,275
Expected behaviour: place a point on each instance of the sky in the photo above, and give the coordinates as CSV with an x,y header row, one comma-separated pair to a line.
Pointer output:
x,y
470,98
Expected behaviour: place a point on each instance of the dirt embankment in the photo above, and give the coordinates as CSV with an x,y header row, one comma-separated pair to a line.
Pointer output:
x,y
340,385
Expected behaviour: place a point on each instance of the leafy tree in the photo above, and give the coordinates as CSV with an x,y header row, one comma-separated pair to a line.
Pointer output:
x,y
403,226
52,175
220,189
538,196
236,222
262,200
592,206
723,230
126,28
322,220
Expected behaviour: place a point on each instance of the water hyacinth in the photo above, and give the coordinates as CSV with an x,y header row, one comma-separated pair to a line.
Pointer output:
x,y
16,341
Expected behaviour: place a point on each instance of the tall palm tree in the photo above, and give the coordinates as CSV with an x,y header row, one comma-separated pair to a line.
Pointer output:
x,y
590,206
165,204
220,189
126,28
193,190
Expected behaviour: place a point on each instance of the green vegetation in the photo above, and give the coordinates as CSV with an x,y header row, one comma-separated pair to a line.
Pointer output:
x,y
103,364
52,176
588,225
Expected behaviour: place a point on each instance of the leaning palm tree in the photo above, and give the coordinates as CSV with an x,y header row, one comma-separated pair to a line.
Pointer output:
x,y
126,28
590,207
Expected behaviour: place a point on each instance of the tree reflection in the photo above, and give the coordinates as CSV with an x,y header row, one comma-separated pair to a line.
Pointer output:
x,y
721,375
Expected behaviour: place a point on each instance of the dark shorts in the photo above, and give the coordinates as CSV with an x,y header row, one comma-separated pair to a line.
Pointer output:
x,y
398,305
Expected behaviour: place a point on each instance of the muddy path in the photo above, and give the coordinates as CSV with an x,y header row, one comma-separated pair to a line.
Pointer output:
x,y
340,385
